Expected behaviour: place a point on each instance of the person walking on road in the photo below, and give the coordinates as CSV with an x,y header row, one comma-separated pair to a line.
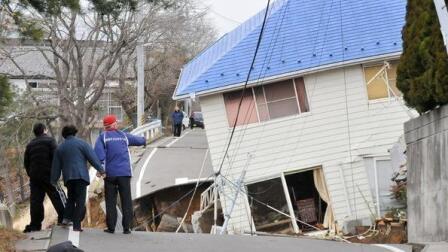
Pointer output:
x,y
71,158
112,149
177,117
37,161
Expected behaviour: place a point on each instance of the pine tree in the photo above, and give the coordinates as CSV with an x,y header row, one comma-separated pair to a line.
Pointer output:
x,y
423,68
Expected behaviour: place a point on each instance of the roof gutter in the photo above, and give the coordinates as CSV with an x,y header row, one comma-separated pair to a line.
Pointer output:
x,y
390,56
177,85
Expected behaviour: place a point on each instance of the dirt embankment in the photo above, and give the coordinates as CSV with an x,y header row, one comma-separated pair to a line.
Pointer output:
x,y
23,217
8,239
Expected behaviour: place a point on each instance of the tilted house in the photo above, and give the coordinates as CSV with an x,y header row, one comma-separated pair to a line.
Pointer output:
x,y
320,112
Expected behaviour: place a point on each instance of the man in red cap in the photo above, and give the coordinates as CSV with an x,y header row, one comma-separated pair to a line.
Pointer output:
x,y
112,149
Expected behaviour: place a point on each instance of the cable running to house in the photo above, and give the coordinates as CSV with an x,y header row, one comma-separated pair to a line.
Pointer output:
x,y
245,86
310,96
206,180
347,113
194,192
270,56
272,43
234,126
251,107
267,205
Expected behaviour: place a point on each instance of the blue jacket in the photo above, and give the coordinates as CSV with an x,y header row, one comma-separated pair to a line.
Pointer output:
x,y
177,117
112,149
71,158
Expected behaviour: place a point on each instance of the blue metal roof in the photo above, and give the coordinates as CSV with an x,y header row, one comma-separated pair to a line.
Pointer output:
x,y
299,35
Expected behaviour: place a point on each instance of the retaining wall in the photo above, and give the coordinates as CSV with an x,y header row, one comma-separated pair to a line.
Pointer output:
x,y
427,152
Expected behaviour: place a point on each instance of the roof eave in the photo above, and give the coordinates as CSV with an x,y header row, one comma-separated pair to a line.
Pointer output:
x,y
177,85
390,56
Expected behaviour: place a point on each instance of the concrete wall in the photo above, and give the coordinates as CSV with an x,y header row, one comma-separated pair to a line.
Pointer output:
x,y
427,146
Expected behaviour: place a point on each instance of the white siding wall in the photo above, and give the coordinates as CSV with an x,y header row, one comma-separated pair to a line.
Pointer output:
x,y
320,137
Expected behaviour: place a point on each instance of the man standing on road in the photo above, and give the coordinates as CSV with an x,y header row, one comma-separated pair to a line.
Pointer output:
x,y
37,161
112,149
71,158
177,116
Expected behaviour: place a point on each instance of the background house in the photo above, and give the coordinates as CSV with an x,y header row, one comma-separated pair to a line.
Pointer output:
x,y
318,117
29,70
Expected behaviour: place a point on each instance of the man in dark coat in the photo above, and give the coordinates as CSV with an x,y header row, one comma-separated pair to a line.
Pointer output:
x,y
37,161
177,117
71,158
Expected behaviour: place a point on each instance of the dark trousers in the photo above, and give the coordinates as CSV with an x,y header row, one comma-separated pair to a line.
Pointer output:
x,y
177,129
112,186
76,203
38,190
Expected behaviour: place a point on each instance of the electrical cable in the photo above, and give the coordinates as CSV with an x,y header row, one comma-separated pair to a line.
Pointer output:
x,y
347,112
263,72
311,94
234,126
253,103
276,210
194,192
245,86
320,57
238,112
224,17
206,180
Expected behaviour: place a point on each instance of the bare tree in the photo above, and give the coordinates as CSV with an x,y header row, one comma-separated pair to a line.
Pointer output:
x,y
84,47
179,34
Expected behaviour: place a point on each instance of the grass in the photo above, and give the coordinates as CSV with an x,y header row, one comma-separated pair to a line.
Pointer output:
x,y
8,239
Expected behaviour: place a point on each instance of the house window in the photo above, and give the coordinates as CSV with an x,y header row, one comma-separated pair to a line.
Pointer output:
x,y
267,102
381,81
32,84
107,104
247,113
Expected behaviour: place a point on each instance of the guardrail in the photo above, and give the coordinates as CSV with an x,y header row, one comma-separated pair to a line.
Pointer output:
x,y
150,131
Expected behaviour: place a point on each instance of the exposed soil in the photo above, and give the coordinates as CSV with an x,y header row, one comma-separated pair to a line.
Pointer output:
x,y
23,217
385,233
95,217
8,239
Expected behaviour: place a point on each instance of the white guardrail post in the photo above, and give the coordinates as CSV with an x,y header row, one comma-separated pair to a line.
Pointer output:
x,y
150,130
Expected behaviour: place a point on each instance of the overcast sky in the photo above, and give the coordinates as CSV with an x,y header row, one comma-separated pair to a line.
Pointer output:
x,y
228,14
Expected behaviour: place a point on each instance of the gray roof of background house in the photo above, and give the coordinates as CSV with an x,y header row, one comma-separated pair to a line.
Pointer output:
x,y
29,59
34,64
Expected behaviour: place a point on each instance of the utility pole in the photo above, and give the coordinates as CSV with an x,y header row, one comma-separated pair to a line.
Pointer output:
x,y
442,14
140,83
141,56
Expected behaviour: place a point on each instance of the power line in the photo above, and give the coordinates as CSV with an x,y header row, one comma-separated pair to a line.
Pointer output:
x,y
245,85
224,17
206,180
269,206
234,126
194,192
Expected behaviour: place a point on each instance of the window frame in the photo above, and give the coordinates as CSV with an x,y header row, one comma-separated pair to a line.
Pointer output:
x,y
391,96
256,104
108,107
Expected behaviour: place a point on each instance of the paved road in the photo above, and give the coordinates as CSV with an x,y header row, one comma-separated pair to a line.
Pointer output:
x,y
172,161
97,240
